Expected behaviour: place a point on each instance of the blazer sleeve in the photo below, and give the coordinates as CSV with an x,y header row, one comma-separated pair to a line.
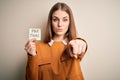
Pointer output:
x,y
32,68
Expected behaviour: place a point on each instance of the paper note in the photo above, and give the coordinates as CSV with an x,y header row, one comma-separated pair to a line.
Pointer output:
x,y
35,33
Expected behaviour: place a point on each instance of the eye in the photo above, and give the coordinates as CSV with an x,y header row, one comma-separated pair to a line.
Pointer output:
x,y
65,19
55,19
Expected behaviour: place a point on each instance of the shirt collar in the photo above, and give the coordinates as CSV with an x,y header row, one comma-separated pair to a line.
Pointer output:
x,y
52,41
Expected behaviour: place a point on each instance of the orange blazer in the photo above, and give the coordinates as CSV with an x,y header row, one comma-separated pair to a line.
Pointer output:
x,y
47,65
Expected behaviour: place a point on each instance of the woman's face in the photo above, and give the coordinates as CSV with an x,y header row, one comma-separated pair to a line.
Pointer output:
x,y
60,22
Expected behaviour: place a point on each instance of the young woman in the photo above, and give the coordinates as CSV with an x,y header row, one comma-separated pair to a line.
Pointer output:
x,y
58,56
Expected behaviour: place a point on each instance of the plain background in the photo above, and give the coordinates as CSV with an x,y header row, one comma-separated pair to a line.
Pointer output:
x,y
97,21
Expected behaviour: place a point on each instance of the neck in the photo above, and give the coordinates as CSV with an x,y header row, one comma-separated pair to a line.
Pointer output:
x,y
58,38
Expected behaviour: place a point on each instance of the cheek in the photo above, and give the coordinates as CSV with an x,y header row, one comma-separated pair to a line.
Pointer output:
x,y
67,26
54,25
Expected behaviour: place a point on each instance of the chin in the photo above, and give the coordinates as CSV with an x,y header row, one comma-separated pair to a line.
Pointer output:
x,y
60,34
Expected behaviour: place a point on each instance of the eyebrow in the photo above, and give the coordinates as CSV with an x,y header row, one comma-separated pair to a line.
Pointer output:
x,y
63,17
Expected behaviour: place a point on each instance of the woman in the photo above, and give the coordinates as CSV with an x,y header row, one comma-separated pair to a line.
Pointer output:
x,y
58,56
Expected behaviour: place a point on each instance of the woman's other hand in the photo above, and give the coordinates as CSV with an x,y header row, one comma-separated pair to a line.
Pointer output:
x,y
30,47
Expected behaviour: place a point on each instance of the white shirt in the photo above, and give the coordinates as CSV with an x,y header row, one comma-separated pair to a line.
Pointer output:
x,y
52,41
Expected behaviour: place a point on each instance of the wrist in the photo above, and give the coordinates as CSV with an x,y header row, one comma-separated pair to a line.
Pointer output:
x,y
32,54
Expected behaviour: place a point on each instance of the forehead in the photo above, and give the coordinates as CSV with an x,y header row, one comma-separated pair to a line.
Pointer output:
x,y
60,14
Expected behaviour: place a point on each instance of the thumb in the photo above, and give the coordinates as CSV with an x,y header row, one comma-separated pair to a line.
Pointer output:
x,y
33,40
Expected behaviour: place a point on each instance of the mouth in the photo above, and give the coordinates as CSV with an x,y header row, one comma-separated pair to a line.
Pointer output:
x,y
59,30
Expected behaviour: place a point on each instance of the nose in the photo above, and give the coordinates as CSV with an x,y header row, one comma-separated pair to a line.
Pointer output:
x,y
60,23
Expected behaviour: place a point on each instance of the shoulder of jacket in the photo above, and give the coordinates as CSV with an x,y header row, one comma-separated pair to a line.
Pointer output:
x,y
41,43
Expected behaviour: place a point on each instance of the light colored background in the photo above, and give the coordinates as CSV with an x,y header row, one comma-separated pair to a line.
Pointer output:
x,y
98,21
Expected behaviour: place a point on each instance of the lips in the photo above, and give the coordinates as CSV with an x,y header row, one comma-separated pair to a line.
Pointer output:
x,y
59,30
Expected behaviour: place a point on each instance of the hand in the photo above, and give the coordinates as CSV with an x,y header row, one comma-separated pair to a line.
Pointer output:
x,y
30,47
78,47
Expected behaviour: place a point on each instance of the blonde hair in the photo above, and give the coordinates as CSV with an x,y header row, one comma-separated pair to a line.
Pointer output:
x,y
71,33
